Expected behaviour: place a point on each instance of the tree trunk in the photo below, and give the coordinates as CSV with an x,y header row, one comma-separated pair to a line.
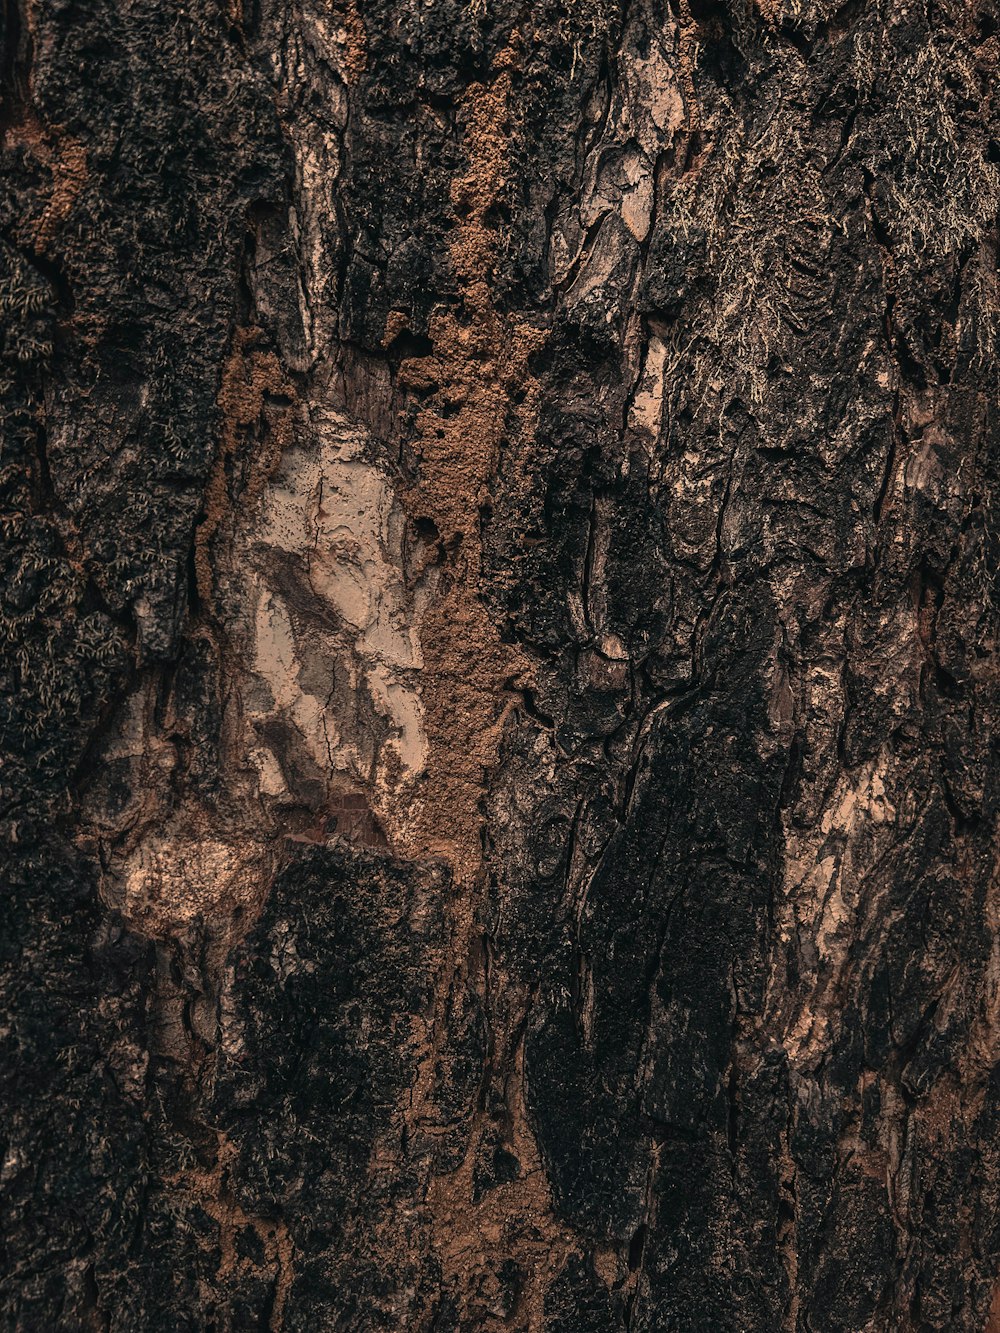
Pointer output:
x,y
499,687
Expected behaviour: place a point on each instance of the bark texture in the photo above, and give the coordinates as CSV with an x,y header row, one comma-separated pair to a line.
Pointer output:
x,y
499,689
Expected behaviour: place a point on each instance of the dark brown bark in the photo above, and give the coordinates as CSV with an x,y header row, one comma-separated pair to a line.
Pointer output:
x,y
499,604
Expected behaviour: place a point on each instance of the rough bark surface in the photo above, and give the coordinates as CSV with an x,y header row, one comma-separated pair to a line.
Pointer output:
x,y
499,692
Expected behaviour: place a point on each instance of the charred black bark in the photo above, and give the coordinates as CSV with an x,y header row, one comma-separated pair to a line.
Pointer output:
x,y
499,602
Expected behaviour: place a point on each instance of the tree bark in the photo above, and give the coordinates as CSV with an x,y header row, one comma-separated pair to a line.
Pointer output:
x,y
499,686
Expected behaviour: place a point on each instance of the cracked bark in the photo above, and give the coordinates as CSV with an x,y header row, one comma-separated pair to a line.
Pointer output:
x,y
499,602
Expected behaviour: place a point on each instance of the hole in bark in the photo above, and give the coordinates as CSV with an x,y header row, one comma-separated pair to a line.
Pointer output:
x,y
406,345
796,38
703,11
635,1248
495,216
426,528
947,686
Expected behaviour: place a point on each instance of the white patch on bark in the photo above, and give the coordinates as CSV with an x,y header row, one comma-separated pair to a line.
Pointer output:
x,y
174,876
318,598
830,887
646,413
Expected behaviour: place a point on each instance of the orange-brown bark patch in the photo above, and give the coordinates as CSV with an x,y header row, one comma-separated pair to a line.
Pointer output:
x,y
248,375
210,1188
66,160
471,681
469,671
